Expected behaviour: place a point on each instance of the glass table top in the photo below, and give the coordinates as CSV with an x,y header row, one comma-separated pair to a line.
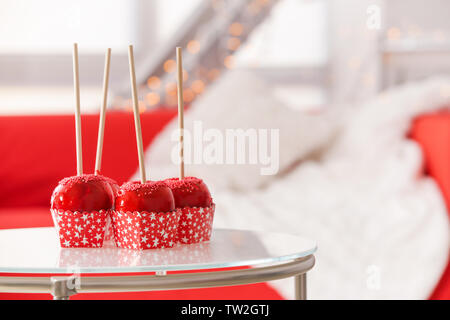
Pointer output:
x,y
37,250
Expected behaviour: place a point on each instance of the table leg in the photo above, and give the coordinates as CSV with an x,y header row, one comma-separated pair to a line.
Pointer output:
x,y
63,287
300,287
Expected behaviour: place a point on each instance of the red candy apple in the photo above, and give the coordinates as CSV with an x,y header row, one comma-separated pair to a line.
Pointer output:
x,y
189,192
114,186
152,196
87,192
113,183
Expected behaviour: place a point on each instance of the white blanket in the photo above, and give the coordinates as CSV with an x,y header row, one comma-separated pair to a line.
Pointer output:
x,y
382,230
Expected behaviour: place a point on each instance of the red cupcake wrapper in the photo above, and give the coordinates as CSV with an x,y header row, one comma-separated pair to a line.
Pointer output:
x,y
80,229
195,224
145,230
109,233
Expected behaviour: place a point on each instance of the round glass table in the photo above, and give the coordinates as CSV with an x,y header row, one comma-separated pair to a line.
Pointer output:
x,y
270,256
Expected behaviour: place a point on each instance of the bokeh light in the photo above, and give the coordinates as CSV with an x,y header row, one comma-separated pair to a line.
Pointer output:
x,y
142,106
198,86
169,66
233,43
154,83
236,29
153,98
171,89
188,95
213,74
393,33
193,46
229,62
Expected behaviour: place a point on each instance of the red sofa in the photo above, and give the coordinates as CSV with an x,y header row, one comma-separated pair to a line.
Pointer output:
x,y
37,151
432,132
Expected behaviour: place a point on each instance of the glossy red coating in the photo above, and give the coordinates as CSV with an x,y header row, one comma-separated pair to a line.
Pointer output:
x,y
189,192
87,192
113,183
152,196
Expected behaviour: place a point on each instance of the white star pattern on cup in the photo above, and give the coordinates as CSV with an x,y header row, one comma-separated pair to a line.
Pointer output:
x,y
138,230
195,224
70,234
146,230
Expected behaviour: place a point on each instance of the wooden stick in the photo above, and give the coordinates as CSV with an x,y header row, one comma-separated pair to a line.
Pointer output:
x,y
101,126
76,80
137,120
180,109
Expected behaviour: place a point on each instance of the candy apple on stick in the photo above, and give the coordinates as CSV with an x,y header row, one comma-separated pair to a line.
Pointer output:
x,y
82,199
190,193
145,216
82,192
144,196
187,191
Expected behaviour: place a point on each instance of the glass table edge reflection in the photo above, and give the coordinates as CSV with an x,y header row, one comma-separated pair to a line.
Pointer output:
x,y
168,268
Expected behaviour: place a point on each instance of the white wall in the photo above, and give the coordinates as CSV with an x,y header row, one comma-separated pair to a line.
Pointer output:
x,y
295,34
354,60
50,26
413,42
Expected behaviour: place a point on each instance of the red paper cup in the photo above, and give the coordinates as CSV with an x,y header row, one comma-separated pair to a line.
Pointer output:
x,y
195,224
80,229
145,230
109,233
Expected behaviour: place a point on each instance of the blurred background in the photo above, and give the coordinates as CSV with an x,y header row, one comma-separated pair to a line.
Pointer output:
x,y
358,89
313,51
